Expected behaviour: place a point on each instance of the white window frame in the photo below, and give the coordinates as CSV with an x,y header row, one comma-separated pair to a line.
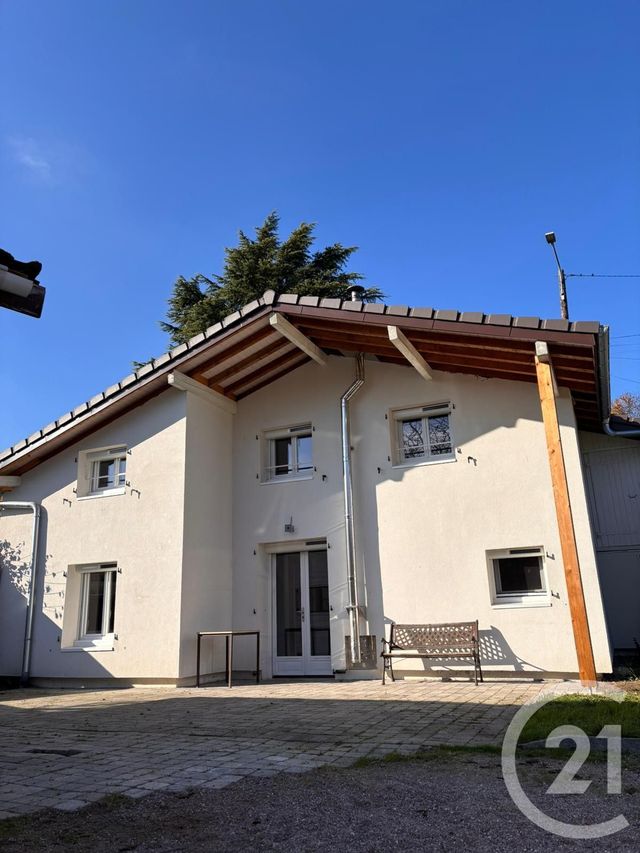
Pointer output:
x,y
88,472
421,413
295,432
105,639
536,598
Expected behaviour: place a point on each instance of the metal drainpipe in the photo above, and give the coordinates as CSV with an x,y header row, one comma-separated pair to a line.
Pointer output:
x,y
28,631
628,433
352,588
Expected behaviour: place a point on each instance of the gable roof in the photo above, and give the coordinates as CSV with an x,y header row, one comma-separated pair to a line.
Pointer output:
x,y
243,353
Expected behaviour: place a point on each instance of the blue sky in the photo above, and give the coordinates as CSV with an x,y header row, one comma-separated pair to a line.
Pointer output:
x,y
442,138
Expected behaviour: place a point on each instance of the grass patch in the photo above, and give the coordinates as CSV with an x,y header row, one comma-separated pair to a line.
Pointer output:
x,y
590,713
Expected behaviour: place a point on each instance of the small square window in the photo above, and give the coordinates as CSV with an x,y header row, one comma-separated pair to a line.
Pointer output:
x,y
102,472
518,575
423,434
288,454
97,606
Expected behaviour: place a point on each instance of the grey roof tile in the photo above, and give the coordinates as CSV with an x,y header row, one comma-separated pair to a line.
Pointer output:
x,y
251,306
227,321
158,362
288,298
112,389
80,409
196,339
398,310
447,315
311,301
556,325
64,419
526,322
131,378
97,398
498,319
268,297
330,302
50,428
176,351
148,368
421,313
590,326
35,436
375,308
471,317
20,445
352,305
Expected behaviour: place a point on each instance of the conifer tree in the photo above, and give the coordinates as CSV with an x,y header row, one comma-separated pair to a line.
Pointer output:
x,y
255,265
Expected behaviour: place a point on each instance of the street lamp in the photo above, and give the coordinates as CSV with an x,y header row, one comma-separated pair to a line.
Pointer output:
x,y
550,237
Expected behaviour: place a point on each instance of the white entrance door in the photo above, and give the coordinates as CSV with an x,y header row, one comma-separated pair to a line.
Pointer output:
x,y
301,614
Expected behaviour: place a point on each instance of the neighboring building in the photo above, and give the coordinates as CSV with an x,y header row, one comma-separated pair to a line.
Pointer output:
x,y
612,474
205,492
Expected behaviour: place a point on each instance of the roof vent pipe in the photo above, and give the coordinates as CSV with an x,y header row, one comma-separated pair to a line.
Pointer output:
x,y
352,587
355,292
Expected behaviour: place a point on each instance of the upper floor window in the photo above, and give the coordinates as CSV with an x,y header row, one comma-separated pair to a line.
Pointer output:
x,y
288,453
423,434
102,472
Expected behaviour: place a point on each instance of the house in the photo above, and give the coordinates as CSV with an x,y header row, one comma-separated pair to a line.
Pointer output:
x,y
315,470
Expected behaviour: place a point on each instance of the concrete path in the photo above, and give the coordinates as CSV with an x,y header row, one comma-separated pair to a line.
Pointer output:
x,y
64,749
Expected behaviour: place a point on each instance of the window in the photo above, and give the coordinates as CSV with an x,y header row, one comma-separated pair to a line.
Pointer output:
x,y
97,606
102,472
518,576
423,434
288,454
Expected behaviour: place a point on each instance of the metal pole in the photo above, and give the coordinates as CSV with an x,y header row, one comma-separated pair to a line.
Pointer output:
x,y
564,304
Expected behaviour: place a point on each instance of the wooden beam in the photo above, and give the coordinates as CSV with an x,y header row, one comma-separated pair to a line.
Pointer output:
x,y
404,346
570,559
185,383
543,354
289,331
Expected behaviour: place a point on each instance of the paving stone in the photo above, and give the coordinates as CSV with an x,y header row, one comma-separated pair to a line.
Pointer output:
x,y
140,740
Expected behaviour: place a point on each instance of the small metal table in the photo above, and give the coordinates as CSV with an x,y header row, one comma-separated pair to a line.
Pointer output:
x,y
229,635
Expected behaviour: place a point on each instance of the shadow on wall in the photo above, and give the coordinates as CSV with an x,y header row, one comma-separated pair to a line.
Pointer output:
x,y
15,580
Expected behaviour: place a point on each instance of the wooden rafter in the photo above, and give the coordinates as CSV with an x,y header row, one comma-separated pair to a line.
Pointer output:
x,y
289,331
406,348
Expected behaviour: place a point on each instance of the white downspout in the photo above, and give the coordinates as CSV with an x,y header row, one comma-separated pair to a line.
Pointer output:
x,y
28,630
352,586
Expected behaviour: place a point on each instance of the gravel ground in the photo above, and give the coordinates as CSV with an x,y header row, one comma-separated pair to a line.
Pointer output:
x,y
442,801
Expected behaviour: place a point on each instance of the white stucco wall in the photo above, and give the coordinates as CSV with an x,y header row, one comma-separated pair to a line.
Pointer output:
x,y
207,559
141,531
422,532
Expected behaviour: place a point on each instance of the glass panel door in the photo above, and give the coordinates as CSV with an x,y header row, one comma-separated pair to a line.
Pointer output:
x,y
288,606
318,603
302,643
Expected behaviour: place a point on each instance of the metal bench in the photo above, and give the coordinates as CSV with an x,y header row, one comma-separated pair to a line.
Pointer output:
x,y
449,640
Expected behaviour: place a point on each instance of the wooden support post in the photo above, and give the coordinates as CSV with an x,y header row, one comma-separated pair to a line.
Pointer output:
x,y
577,606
